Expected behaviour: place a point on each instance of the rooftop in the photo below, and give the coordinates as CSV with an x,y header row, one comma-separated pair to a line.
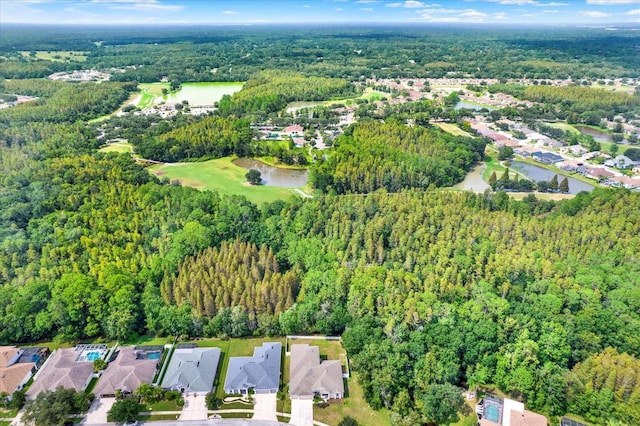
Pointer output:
x,y
126,373
62,369
260,372
309,376
192,369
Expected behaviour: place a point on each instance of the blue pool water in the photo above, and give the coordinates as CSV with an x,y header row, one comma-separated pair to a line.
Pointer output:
x,y
92,356
492,413
153,355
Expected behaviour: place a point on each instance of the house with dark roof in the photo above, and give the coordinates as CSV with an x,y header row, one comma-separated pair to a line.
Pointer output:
x,y
66,368
17,365
192,370
310,377
620,162
260,372
129,369
546,157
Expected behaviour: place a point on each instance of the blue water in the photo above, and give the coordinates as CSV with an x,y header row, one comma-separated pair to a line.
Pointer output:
x,y
492,413
153,355
92,356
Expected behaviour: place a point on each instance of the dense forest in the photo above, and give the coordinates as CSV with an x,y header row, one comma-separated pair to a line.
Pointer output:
x,y
372,155
432,289
234,53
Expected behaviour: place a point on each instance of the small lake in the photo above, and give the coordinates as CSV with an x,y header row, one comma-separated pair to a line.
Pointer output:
x,y
203,93
275,176
536,173
598,135
473,106
473,181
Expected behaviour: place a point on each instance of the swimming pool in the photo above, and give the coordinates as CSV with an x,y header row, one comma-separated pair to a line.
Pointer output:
x,y
153,355
92,356
491,412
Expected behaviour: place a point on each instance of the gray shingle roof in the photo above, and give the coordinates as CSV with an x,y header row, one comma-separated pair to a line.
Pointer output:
x,y
260,372
193,369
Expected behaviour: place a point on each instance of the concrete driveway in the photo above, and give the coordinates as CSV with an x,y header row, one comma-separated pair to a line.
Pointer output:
x,y
301,412
194,408
265,407
97,413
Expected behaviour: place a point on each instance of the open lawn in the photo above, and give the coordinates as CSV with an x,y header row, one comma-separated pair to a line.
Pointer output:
x,y
564,126
354,406
165,406
149,91
4,423
223,176
152,417
123,147
493,165
453,129
60,56
622,88
541,196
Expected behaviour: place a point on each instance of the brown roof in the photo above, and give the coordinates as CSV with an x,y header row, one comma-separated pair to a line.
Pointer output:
x,y
6,354
14,374
309,376
126,373
527,418
61,369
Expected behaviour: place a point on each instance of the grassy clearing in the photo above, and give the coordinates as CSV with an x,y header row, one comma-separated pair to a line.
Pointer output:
x,y
541,196
4,423
150,91
7,414
354,406
453,129
122,147
622,88
236,415
59,56
564,126
222,176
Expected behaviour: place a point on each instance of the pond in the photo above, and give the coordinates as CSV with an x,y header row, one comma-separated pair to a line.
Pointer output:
x,y
473,105
537,173
473,181
203,93
274,176
598,135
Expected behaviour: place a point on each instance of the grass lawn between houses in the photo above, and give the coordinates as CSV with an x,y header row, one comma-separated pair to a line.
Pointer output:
x,y
453,129
122,147
222,176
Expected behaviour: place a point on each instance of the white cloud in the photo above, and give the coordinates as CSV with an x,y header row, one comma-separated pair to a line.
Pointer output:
x,y
339,9
230,12
366,9
552,4
518,2
550,11
412,4
143,5
367,1
613,1
593,14
633,12
307,6
472,13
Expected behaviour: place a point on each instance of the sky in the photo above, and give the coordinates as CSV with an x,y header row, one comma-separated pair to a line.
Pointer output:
x,y
519,12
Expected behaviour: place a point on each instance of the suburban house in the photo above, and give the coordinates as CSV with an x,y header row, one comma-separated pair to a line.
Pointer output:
x,y
130,368
260,372
192,369
310,377
577,150
17,365
494,411
71,368
598,173
294,130
620,162
546,157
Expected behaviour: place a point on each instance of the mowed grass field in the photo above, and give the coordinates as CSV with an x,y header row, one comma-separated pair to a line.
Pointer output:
x,y
150,91
453,129
59,56
222,176
123,147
